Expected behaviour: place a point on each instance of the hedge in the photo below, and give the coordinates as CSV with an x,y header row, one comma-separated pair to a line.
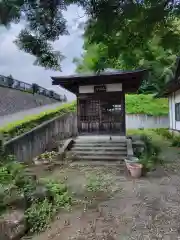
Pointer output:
x,y
19,127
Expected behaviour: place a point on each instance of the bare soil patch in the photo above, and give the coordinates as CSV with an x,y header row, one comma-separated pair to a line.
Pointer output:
x,y
146,208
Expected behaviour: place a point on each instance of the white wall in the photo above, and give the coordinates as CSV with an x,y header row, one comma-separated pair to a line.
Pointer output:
x,y
173,99
113,87
135,121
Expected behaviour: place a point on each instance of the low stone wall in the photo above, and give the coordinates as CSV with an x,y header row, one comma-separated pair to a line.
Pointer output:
x,y
42,138
135,121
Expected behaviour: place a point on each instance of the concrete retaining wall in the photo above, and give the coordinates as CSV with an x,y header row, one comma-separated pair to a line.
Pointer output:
x,y
43,137
135,121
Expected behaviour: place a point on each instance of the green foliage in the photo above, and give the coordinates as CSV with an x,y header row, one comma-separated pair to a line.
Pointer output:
x,y
39,215
60,194
176,141
146,104
123,42
16,181
174,138
19,127
97,183
165,133
149,157
117,25
45,23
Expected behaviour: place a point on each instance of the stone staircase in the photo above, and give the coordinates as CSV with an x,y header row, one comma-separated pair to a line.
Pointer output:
x,y
100,148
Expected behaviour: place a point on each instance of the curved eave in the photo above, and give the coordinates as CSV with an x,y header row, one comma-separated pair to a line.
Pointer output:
x,y
131,80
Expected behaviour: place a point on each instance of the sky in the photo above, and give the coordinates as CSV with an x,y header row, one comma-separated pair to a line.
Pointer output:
x,y
20,64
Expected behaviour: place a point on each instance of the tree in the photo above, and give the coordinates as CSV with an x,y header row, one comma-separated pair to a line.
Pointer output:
x,y
151,55
120,25
44,24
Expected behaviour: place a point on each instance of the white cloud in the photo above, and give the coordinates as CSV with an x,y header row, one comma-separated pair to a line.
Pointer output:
x,y
20,64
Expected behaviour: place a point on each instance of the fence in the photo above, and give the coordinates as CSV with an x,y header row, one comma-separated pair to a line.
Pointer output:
x,y
39,139
16,84
135,121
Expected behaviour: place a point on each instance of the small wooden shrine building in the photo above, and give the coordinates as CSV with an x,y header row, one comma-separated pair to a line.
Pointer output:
x,y
101,99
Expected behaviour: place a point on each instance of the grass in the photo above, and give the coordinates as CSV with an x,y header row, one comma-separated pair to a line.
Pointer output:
x,y
135,104
146,104
18,185
19,127
156,138
172,137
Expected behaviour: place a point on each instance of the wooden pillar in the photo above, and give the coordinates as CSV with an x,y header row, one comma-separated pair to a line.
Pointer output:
x,y
78,114
123,113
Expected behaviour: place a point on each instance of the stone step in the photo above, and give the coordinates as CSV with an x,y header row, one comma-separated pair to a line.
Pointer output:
x,y
100,140
106,153
118,165
108,144
101,158
96,148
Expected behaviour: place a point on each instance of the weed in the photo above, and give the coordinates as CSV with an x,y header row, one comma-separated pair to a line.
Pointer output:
x,y
39,215
96,183
165,133
59,193
175,141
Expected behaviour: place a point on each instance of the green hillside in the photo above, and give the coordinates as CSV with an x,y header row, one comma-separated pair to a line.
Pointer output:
x,y
146,104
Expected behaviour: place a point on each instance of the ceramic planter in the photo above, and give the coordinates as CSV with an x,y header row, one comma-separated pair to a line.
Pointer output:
x,y
130,160
135,169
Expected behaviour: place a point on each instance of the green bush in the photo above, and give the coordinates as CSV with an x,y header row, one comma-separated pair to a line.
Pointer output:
x,y
165,133
174,138
149,158
39,215
175,141
60,194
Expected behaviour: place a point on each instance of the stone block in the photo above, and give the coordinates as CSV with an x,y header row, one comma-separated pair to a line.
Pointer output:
x,y
12,225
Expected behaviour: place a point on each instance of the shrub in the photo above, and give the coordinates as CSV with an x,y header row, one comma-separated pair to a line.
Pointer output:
x,y
149,158
175,141
59,193
165,133
39,215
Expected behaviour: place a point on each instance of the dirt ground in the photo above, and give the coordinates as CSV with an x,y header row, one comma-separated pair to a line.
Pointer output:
x,y
147,208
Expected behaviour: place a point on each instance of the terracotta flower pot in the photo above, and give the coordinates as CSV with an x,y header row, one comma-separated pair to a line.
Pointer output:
x,y
135,169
